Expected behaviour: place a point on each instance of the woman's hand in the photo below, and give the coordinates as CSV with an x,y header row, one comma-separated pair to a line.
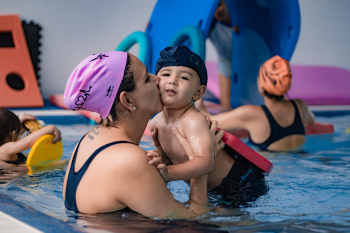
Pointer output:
x,y
217,135
183,143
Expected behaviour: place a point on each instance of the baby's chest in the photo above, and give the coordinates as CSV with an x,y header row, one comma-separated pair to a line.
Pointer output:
x,y
171,146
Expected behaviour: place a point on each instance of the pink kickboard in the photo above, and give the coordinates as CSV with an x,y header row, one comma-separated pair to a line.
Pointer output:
x,y
316,85
248,153
320,85
213,78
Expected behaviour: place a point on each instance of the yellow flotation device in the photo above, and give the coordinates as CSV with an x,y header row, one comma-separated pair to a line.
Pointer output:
x,y
347,130
44,152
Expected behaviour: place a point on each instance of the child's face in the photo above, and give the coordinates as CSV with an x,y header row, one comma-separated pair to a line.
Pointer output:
x,y
178,86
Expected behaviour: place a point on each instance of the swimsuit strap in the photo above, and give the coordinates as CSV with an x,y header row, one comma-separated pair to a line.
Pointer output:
x,y
297,118
74,178
278,132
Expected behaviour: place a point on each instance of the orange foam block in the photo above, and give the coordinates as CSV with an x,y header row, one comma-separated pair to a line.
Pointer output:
x,y
16,67
58,101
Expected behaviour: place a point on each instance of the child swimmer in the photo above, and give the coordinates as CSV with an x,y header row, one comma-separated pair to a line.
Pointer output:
x,y
183,80
12,127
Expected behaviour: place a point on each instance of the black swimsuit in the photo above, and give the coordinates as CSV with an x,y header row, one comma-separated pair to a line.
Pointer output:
x,y
22,159
74,178
278,132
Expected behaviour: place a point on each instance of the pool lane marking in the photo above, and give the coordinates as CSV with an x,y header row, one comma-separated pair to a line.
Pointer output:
x,y
47,112
10,224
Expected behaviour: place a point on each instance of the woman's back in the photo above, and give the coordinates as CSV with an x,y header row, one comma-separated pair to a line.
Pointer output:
x,y
278,126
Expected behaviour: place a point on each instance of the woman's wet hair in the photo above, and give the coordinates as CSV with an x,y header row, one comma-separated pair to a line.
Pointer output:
x,y
9,122
275,97
127,85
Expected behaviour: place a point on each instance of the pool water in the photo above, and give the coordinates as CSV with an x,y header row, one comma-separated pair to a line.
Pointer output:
x,y
309,191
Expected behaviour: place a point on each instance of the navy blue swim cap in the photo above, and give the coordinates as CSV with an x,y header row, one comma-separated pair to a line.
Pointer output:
x,y
182,56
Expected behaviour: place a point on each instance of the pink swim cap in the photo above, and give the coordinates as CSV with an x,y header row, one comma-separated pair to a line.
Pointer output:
x,y
94,83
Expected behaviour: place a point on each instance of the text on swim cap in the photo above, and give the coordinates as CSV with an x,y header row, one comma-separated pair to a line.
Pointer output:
x,y
79,103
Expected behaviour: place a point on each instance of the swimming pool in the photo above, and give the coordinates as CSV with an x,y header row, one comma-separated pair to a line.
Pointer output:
x,y
309,191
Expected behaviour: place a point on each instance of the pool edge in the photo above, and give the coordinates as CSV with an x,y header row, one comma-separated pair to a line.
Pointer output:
x,y
32,217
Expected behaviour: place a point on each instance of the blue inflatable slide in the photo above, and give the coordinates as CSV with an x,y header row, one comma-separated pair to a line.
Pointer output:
x,y
266,28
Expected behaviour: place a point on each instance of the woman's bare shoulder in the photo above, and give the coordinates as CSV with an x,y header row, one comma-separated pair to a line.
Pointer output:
x,y
127,155
248,111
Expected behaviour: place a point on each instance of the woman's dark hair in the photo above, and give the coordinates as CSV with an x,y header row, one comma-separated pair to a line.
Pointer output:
x,y
127,85
275,97
8,123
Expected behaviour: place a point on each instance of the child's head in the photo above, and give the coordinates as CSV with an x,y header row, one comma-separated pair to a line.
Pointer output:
x,y
10,126
183,76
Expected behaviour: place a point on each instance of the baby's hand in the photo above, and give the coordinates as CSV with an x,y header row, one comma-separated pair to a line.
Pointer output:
x,y
156,141
157,160
155,157
162,154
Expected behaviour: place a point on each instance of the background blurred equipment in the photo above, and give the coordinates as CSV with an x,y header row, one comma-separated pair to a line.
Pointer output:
x,y
33,36
167,19
266,28
18,84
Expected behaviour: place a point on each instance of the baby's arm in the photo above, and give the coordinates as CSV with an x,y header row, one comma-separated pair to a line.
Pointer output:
x,y
158,154
11,148
196,130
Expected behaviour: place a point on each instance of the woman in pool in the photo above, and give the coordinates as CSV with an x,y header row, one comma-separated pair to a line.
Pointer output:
x,y
108,171
279,125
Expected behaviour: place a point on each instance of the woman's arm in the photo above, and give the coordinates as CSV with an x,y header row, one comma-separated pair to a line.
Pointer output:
x,y
233,119
309,117
144,191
